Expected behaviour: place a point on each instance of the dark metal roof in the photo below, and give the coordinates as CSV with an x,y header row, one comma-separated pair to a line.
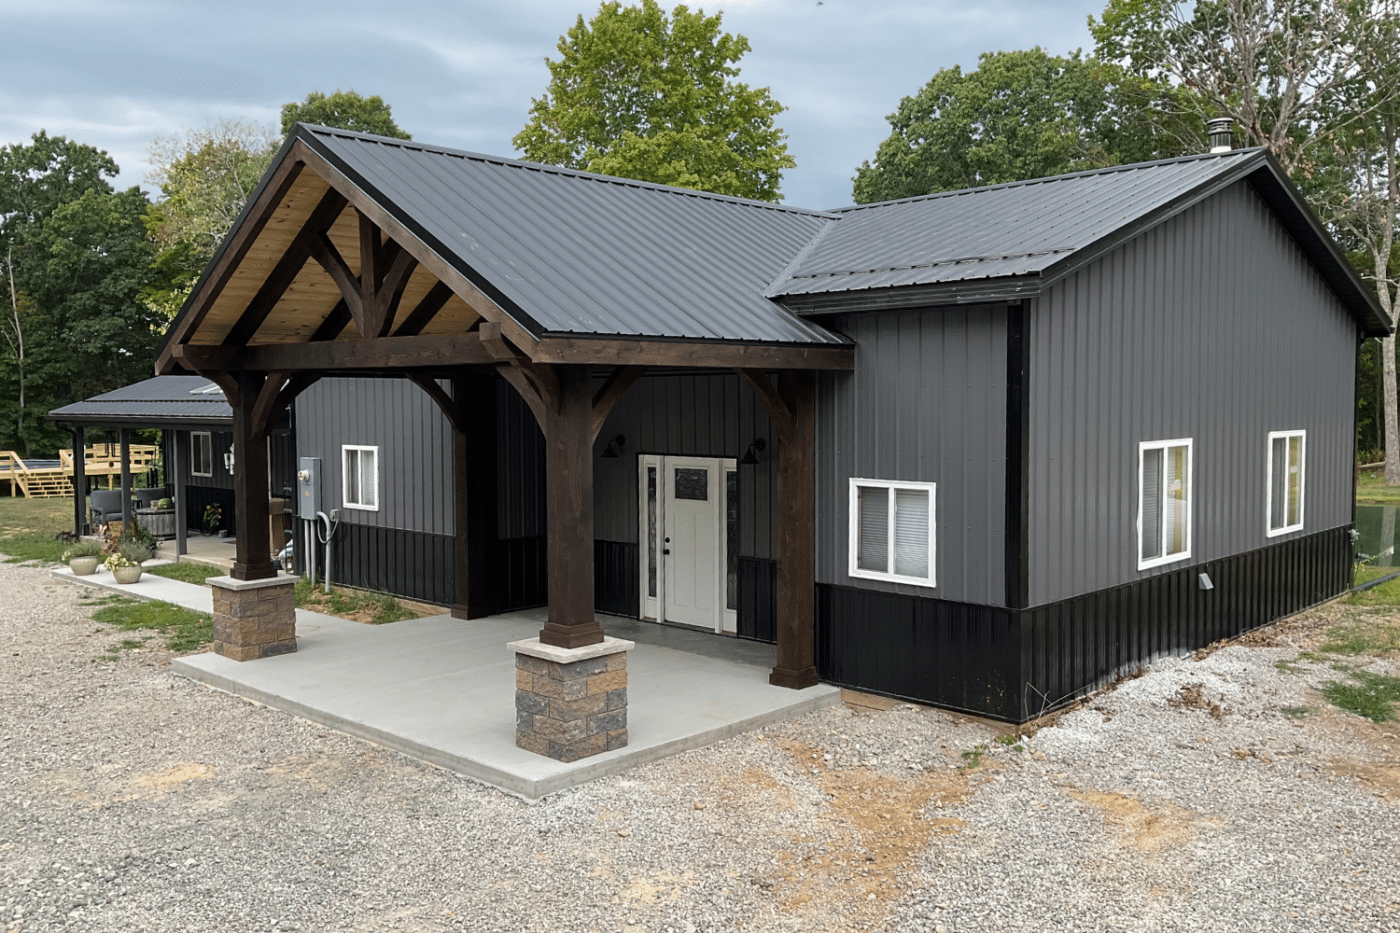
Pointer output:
x,y
573,253
162,400
1012,240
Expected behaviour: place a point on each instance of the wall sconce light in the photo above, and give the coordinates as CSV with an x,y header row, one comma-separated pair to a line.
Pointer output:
x,y
751,457
610,453
228,460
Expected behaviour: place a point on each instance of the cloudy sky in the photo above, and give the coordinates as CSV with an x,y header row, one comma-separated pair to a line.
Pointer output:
x,y
118,73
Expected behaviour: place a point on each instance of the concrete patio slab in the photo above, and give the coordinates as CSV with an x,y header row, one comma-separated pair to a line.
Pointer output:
x,y
443,690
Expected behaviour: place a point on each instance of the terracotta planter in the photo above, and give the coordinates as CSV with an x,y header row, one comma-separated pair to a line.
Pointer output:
x,y
83,566
127,574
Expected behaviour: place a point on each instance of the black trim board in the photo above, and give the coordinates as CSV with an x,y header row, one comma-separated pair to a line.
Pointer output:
x,y
1018,426
1017,664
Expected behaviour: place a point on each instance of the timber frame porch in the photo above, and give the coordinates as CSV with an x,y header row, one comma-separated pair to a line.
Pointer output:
x,y
324,274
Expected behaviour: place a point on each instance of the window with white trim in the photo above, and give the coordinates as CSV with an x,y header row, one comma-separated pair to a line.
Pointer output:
x,y
201,454
360,477
892,531
1285,482
1164,502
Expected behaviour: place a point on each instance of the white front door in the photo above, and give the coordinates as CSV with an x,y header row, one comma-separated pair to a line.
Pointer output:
x,y
691,545
686,531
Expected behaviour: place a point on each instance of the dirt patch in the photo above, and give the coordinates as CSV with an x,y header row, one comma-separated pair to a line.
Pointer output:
x,y
1150,831
163,781
1193,696
875,825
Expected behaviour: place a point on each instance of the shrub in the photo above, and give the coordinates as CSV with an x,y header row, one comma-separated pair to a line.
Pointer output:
x,y
82,549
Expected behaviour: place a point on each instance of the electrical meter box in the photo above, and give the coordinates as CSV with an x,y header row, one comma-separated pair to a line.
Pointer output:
x,y
309,488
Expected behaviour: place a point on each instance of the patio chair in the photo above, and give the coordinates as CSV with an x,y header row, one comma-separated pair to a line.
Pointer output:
x,y
147,498
105,504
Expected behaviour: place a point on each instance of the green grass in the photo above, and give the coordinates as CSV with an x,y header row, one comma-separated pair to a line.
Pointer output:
x,y
28,526
1368,635
1387,594
1365,573
1371,695
1372,487
189,572
362,605
184,629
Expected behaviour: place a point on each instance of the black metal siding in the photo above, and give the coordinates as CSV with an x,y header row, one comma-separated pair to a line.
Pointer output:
x,y
1213,326
926,403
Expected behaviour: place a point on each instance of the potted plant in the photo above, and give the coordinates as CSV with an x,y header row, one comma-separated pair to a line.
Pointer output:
x,y
82,558
213,518
125,561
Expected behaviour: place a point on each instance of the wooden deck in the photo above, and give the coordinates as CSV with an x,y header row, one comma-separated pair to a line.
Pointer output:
x,y
49,482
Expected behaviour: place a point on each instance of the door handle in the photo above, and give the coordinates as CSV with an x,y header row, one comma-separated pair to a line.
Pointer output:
x,y
665,550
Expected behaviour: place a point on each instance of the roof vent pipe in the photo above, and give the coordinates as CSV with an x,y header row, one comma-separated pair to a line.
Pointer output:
x,y
1222,134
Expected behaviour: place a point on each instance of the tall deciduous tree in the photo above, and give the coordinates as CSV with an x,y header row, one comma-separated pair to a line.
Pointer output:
x,y
344,110
1018,115
644,95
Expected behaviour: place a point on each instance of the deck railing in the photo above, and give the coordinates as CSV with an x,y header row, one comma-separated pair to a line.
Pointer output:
x,y
52,481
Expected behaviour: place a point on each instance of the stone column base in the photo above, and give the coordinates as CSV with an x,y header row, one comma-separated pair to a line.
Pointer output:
x,y
254,618
570,702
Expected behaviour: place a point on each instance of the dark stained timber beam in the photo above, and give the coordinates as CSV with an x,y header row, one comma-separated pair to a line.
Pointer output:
x,y
424,311
778,414
445,402
324,252
796,534
328,355
334,323
267,399
613,389
286,270
240,240
609,352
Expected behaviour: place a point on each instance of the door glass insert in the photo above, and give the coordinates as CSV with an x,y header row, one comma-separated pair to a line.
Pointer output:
x,y
731,538
651,531
692,484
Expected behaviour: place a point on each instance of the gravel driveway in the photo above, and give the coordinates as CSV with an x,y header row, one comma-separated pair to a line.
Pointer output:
x,y
131,799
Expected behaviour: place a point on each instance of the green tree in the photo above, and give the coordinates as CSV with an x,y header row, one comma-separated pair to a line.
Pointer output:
x,y
1018,115
640,94
37,181
344,110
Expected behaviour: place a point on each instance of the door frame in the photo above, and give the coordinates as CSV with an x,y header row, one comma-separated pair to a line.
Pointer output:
x,y
654,607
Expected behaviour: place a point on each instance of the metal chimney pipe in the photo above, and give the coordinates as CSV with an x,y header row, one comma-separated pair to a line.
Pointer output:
x,y
1221,133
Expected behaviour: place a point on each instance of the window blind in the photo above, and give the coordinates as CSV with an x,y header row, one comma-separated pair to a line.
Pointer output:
x,y
911,532
369,478
874,529
1151,508
1176,515
1278,480
1295,480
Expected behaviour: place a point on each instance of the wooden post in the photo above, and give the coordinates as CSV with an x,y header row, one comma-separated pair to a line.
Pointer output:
x,y
79,480
568,431
474,470
797,553
252,558
178,469
126,480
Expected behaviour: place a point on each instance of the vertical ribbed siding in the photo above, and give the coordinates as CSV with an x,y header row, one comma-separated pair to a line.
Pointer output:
x,y
694,415
1212,326
520,467
926,403
414,441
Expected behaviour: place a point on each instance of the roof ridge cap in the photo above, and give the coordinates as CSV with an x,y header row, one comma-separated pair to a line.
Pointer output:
x,y
317,129
1048,179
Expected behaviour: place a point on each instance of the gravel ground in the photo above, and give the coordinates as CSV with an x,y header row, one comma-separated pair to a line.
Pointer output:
x,y
131,799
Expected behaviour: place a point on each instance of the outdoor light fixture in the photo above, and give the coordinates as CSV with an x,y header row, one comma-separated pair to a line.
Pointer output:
x,y
228,460
751,457
610,453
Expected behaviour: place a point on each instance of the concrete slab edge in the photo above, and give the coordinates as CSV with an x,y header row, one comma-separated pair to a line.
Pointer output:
x,y
123,589
531,790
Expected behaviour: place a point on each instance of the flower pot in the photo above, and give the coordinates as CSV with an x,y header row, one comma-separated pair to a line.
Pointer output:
x,y
127,574
83,566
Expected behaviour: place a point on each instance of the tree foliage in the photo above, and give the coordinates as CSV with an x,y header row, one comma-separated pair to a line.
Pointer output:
x,y
76,261
640,94
344,110
1018,115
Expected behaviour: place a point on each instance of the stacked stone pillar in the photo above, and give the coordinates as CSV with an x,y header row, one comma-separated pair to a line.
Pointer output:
x,y
570,703
254,618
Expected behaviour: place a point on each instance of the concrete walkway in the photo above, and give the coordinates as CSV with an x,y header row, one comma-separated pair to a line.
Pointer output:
x,y
443,690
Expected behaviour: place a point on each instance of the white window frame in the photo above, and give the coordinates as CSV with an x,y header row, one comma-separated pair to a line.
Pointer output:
x,y
345,499
1184,554
853,522
1302,436
194,453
